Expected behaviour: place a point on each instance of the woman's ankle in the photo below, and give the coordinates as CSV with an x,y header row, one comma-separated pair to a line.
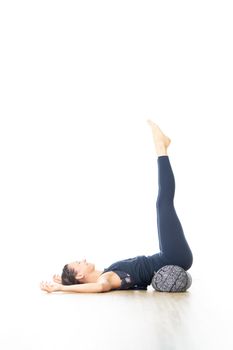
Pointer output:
x,y
161,149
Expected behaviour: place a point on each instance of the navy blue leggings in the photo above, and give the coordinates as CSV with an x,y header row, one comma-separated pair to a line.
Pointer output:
x,y
174,249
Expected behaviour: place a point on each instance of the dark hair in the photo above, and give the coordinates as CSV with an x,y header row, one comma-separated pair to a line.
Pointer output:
x,y
68,276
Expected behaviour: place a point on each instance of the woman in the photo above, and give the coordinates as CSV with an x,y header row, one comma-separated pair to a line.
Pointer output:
x,y
135,273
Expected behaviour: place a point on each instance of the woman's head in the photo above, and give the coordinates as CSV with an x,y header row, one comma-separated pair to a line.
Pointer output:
x,y
76,272
68,276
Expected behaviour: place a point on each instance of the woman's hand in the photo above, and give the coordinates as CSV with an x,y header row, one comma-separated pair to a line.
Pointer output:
x,y
57,279
50,287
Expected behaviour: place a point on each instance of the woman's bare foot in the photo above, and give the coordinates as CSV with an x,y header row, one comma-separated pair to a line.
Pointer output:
x,y
161,141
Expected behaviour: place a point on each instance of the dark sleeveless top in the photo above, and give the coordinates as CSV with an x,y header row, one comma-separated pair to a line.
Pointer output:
x,y
135,273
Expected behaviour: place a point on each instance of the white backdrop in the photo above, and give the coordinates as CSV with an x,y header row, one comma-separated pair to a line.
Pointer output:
x,y
78,166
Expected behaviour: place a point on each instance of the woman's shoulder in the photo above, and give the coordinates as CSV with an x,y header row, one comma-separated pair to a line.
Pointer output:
x,y
112,278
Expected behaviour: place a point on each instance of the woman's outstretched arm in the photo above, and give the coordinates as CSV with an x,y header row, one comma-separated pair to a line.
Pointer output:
x,y
98,287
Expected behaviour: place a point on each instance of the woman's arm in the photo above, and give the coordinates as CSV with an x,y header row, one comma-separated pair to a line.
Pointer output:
x,y
98,287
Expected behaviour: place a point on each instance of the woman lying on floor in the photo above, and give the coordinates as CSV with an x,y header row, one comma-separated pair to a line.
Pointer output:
x,y
136,273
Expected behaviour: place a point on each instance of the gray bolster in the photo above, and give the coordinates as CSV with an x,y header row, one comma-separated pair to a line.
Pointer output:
x,y
171,278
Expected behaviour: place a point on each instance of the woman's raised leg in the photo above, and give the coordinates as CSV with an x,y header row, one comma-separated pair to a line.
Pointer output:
x,y
174,248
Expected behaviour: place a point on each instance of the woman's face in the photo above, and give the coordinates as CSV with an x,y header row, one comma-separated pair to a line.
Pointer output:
x,y
82,266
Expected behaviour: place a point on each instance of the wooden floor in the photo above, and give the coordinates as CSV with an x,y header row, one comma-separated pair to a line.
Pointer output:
x,y
145,320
